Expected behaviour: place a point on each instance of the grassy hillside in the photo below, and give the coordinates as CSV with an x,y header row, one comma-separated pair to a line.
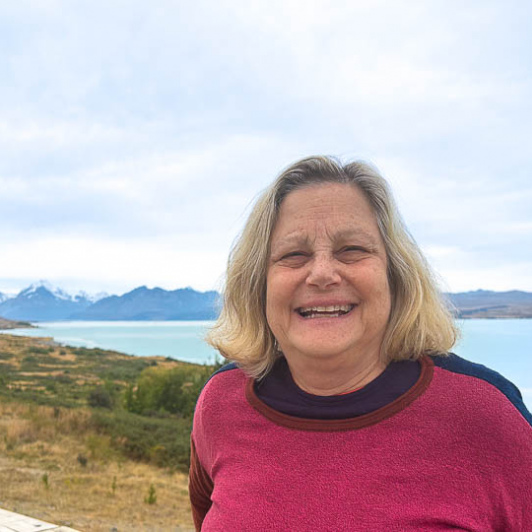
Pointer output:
x,y
10,324
86,440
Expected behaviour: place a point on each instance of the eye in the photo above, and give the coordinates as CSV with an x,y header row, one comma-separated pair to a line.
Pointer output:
x,y
293,258
351,253
353,249
293,254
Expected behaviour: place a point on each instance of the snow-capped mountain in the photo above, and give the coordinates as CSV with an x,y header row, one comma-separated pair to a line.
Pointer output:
x,y
44,302
4,297
90,297
39,288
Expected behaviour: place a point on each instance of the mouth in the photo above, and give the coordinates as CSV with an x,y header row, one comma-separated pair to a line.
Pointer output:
x,y
330,311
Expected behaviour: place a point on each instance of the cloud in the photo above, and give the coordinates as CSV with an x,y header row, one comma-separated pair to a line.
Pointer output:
x,y
99,263
159,192
123,123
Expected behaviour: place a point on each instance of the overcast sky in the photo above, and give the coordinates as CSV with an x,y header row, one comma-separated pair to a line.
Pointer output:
x,y
134,135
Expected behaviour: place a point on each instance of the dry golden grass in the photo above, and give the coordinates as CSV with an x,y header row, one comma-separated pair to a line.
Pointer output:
x,y
28,423
42,475
55,467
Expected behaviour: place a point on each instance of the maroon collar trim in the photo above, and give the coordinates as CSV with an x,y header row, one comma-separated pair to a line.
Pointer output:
x,y
327,425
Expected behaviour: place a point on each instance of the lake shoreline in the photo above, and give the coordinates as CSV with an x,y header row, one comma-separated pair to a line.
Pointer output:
x,y
178,340
504,345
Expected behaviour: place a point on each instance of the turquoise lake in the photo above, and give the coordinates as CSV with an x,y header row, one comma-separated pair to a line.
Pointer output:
x,y
503,345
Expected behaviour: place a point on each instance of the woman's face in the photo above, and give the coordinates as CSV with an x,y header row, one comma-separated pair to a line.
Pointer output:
x,y
327,288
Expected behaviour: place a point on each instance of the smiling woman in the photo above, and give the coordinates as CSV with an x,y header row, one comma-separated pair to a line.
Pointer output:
x,y
327,295
343,408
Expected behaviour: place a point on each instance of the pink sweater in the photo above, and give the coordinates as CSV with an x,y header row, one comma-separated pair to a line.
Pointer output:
x,y
453,453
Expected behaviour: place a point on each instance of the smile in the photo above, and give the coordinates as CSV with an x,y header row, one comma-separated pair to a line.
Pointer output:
x,y
332,311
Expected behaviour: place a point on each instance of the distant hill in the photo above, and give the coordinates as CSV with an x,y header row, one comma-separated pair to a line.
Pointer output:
x,y
489,304
153,304
10,324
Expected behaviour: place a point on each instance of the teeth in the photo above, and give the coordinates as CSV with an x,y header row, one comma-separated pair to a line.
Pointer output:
x,y
333,308
331,311
328,315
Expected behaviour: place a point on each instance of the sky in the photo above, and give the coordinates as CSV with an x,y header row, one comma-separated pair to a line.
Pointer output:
x,y
136,135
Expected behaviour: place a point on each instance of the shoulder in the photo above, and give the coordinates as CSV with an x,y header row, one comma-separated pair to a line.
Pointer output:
x,y
221,404
222,387
486,419
226,367
221,378
481,384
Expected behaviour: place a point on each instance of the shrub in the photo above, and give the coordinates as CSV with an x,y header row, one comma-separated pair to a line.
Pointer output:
x,y
64,379
4,379
51,386
151,497
30,359
100,447
100,398
40,350
169,390
162,442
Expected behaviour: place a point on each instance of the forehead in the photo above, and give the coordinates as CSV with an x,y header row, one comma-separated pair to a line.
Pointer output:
x,y
331,207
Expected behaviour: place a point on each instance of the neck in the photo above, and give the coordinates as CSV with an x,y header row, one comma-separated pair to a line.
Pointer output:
x,y
325,377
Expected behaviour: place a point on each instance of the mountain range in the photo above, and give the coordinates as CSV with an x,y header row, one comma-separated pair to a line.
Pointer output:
x,y
489,304
43,302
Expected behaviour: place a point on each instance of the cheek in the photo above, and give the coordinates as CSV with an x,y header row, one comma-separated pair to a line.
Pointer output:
x,y
274,320
374,282
271,302
278,301
383,296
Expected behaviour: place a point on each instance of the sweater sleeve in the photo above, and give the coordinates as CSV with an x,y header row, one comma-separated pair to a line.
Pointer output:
x,y
200,488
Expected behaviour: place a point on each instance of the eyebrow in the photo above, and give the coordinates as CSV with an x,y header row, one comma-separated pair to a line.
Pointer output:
x,y
298,239
355,233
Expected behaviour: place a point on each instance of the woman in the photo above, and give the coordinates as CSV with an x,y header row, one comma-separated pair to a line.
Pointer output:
x,y
342,409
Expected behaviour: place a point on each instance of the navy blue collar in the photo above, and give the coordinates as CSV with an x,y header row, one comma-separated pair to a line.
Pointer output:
x,y
279,391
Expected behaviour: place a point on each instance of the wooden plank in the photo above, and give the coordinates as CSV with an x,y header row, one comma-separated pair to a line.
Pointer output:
x,y
13,522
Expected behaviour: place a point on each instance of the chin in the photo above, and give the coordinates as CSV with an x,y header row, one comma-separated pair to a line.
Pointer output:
x,y
318,348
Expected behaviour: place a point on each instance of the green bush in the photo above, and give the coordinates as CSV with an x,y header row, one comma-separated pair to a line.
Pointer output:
x,y
51,386
63,379
173,390
100,398
40,350
163,442
4,379
151,498
30,359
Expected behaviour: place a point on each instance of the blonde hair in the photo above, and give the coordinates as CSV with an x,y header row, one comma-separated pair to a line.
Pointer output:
x,y
420,322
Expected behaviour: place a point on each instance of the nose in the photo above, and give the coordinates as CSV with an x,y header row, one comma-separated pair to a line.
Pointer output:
x,y
323,271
